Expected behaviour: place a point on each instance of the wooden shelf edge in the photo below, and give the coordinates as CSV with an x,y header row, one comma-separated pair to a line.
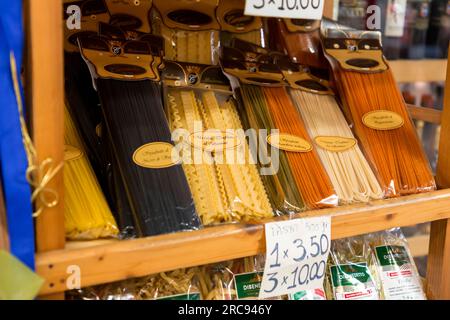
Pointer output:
x,y
134,258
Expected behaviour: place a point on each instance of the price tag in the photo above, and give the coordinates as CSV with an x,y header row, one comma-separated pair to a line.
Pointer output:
x,y
295,9
296,256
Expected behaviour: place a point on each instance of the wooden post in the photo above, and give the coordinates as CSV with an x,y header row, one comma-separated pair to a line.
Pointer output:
x,y
4,239
47,98
438,269
45,92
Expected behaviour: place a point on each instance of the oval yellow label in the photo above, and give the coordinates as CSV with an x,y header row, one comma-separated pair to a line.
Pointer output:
x,y
334,143
72,153
383,120
289,142
214,140
156,155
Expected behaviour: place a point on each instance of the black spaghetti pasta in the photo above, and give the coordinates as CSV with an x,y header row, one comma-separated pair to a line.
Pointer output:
x,y
83,106
159,197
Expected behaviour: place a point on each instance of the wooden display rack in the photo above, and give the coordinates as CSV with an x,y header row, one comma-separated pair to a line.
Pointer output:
x,y
107,261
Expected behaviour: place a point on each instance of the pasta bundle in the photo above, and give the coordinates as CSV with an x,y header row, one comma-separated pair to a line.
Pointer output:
x,y
86,212
349,171
397,153
226,191
280,186
155,184
310,176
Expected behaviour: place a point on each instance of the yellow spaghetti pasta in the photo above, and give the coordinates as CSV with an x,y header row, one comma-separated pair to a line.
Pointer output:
x,y
86,213
348,169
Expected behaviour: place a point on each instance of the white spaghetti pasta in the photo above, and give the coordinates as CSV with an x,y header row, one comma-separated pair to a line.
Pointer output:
x,y
349,171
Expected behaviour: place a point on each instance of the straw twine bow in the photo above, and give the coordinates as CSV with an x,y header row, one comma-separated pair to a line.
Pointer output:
x,y
38,175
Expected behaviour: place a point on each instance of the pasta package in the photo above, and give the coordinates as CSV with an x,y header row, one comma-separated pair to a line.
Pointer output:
x,y
352,272
298,38
399,277
270,110
190,29
381,120
349,171
86,213
216,157
180,284
127,80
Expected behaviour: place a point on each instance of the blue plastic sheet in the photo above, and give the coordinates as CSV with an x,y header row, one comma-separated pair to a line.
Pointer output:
x,y
13,159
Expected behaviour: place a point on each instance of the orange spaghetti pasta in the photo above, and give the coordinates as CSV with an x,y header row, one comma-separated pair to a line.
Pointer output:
x,y
397,153
309,173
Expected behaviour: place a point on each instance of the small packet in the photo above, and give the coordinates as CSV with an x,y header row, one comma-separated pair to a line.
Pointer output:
x,y
234,280
352,271
398,273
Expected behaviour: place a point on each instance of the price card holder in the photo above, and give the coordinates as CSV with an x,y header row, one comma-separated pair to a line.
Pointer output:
x,y
296,9
296,256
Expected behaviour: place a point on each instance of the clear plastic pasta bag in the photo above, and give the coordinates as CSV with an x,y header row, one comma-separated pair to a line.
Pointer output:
x,y
270,113
209,138
190,30
397,271
381,121
87,214
180,284
352,271
233,280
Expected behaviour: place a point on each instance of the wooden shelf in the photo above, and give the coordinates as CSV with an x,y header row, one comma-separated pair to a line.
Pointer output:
x,y
107,261
116,260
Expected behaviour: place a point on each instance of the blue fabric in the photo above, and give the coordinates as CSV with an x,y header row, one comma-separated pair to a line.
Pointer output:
x,y
13,159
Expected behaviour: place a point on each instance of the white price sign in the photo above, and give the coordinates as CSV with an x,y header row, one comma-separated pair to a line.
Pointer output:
x,y
296,256
295,9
